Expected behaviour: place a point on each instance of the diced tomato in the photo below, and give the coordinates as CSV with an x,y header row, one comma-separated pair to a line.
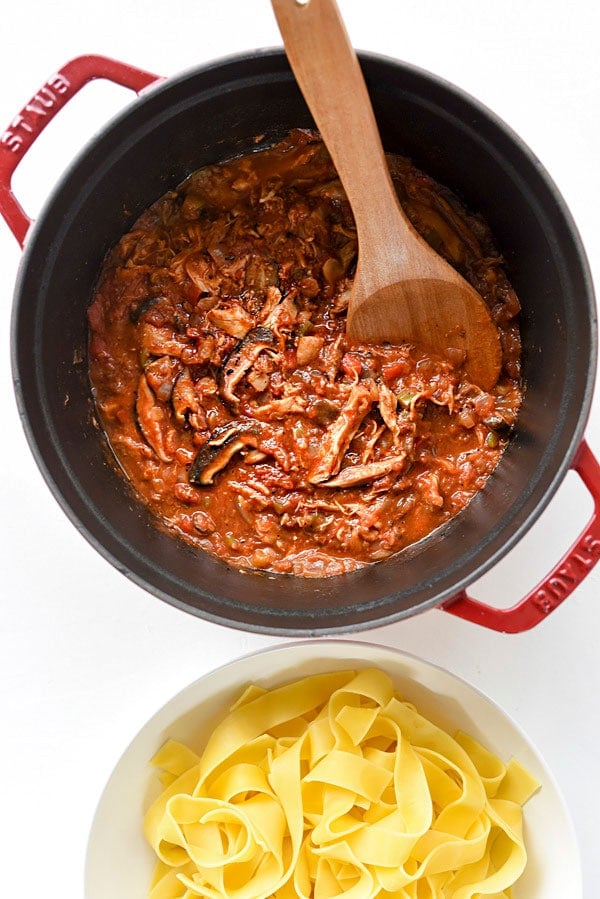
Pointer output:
x,y
351,365
396,369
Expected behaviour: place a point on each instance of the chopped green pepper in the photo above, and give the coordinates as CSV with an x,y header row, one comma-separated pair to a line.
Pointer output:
x,y
406,398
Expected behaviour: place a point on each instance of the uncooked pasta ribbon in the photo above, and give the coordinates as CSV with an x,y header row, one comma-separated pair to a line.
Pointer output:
x,y
331,785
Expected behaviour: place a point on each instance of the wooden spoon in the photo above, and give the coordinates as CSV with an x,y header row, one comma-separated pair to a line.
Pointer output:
x,y
403,291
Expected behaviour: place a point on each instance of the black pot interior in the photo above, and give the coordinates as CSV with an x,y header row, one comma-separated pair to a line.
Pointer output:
x,y
212,114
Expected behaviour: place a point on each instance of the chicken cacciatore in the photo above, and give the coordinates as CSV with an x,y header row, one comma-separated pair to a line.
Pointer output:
x,y
244,418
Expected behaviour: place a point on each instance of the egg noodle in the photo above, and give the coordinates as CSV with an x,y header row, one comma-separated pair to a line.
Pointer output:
x,y
331,785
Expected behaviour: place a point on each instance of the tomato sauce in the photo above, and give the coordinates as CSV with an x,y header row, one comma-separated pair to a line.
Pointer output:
x,y
235,404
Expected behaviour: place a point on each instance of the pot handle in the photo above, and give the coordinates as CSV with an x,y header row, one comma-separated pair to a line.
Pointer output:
x,y
566,575
28,124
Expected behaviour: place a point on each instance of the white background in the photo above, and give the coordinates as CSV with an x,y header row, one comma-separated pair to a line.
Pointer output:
x,y
85,656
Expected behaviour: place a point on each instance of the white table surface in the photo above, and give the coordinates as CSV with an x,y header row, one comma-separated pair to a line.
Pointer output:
x,y
85,656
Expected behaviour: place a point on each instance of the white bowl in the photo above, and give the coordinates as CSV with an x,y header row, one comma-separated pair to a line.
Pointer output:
x,y
119,863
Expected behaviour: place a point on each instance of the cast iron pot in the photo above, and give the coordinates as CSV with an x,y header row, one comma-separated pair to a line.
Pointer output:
x,y
215,112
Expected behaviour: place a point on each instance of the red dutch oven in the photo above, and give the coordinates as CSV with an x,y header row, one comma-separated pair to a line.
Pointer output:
x,y
210,114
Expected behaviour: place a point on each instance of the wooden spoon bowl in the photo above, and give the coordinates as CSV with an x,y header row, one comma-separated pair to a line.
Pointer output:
x,y
403,290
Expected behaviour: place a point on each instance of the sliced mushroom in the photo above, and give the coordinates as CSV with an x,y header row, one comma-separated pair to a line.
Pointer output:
x,y
360,474
237,426
228,440
242,359
214,457
498,424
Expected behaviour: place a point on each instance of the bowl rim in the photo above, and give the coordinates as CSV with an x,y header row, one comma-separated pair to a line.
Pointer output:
x,y
230,677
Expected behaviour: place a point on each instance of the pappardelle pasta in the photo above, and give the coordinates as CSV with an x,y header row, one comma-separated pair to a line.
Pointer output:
x,y
333,784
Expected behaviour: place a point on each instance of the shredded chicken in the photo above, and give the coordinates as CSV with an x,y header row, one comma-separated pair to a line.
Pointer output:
x,y
153,421
388,404
308,349
361,474
281,408
233,319
338,437
187,403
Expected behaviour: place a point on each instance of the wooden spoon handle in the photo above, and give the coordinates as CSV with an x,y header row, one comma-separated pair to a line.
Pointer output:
x,y
402,290
329,74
